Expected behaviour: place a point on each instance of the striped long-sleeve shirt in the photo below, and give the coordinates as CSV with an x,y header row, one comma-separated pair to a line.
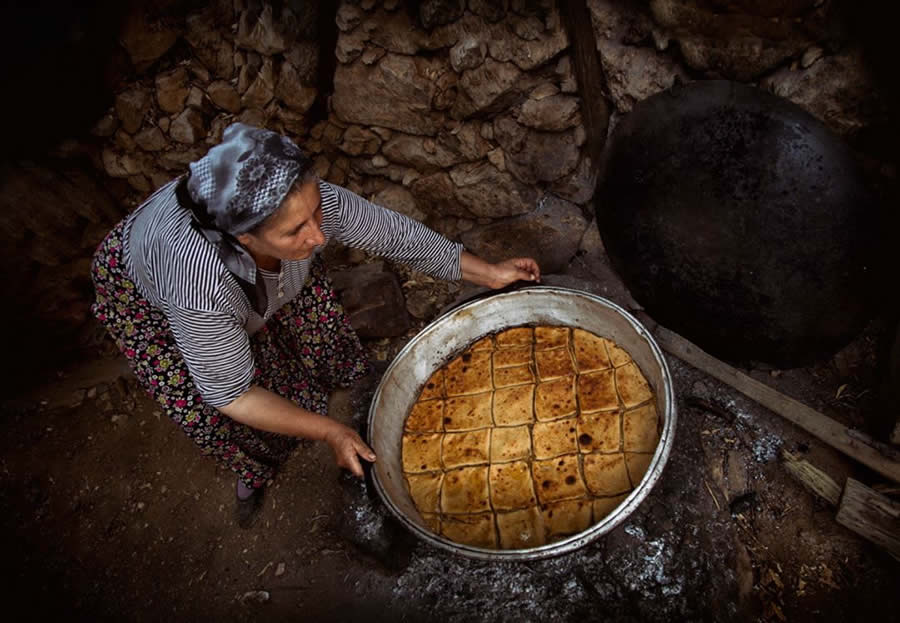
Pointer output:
x,y
178,271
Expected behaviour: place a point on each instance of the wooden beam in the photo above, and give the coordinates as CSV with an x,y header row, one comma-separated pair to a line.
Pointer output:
x,y
854,444
872,515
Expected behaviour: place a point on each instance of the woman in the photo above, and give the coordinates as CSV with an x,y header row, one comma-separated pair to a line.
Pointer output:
x,y
214,291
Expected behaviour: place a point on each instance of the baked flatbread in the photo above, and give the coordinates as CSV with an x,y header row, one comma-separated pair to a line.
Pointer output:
x,y
640,429
465,490
421,452
467,412
476,530
510,443
521,529
511,486
554,438
604,506
434,386
518,336
426,416
567,517
470,373
632,386
597,391
552,364
485,343
617,356
599,431
590,351
514,405
637,466
557,479
425,491
605,474
519,375
507,357
550,337
469,448
432,522
555,399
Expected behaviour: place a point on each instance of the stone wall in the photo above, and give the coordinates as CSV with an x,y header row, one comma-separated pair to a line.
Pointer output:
x,y
460,113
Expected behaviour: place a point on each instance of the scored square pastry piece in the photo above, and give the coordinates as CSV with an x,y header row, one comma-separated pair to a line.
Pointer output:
x,y
521,529
590,351
469,448
567,517
558,479
632,386
467,412
552,364
510,443
637,463
518,375
599,431
604,506
465,490
519,336
514,405
640,429
477,530
617,355
554,438
550,337
555,399
470,373
425,491
605,474
508,357
511,486
426,416
597,391
434,386
485,343
421,453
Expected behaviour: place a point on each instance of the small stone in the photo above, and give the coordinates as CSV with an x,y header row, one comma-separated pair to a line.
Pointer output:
x,y
254,597
543,91
468,53
189,127
811,56
164,123
496,158
106,126
279,570
92,393
373,55
172,89
131,106
348,17
380,161
224,96
150,139
195,98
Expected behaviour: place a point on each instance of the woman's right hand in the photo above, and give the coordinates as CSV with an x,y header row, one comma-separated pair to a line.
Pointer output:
x,y
348,447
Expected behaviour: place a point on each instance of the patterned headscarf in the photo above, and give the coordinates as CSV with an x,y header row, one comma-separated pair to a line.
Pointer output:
x,y
242,181
236,186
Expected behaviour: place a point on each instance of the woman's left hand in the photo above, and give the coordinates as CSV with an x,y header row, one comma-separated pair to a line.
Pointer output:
x,y
515,269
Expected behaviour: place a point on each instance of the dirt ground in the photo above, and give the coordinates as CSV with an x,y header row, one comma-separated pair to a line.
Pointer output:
x,y
111,513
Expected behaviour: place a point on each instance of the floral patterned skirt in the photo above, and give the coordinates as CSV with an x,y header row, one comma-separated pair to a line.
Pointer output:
x,y
305,350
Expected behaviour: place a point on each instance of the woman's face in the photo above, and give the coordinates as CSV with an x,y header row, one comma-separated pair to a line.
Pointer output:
x,y
294,231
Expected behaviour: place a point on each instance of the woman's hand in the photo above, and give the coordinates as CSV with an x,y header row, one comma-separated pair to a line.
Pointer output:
x,y
501,274
515,269
348,447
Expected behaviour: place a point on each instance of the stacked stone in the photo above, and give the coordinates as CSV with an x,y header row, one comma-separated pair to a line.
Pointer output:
x,y
244,63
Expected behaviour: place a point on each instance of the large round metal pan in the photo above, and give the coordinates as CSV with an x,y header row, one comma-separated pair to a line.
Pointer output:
x,y
456,330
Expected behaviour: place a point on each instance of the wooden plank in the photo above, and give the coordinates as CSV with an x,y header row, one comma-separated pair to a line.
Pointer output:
x,y
812,478
872,515
821,426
